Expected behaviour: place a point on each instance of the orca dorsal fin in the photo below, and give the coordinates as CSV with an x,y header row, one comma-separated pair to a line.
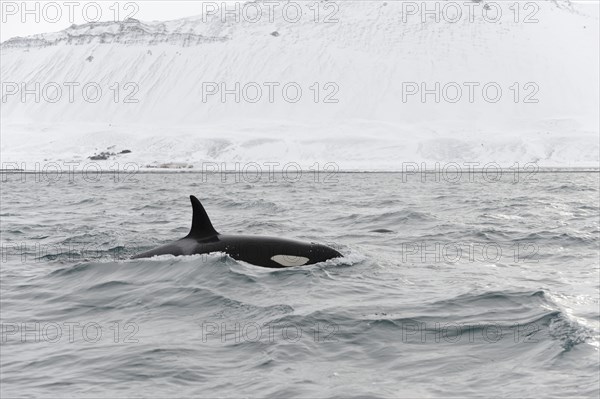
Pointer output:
x,y
201,225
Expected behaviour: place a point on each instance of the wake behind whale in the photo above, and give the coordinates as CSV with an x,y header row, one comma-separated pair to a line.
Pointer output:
x,y
272,252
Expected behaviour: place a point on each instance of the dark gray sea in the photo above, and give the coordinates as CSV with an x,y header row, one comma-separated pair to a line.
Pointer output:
x,y
476,287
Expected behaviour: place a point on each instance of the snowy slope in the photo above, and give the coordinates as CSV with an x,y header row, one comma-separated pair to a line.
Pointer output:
x,y
368,58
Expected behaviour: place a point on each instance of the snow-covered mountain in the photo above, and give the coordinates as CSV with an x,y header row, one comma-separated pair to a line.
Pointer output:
x,y
361,67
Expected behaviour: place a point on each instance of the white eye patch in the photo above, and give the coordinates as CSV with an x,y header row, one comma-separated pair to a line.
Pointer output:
x,y
289,260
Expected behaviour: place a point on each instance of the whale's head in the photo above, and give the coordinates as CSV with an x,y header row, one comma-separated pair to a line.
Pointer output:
x,y
311,253
321,253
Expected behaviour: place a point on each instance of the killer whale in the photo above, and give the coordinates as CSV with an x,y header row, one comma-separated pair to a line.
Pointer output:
x,y
272,252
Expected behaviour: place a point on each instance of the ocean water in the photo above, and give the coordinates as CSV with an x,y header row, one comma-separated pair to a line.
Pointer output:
x,y
475,287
